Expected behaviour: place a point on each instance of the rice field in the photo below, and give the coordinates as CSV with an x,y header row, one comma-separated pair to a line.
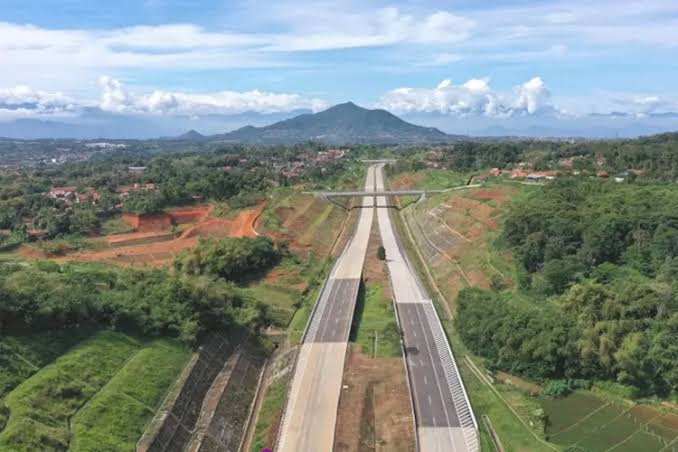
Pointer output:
x,y
585,421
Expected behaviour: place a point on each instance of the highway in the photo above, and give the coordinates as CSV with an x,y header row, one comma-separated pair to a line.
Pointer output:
x,y
445,421
310,414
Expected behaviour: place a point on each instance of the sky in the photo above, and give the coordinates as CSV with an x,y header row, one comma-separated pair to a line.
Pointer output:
x,y
464,60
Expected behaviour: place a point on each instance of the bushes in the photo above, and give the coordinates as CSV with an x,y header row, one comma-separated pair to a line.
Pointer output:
x,y
234,259
561,388
591,332
153,302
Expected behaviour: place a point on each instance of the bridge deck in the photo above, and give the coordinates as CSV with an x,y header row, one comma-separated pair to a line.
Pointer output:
x,y
345,194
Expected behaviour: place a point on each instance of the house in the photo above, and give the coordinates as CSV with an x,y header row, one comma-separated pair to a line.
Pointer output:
x,y
125,190
519,174
603,174
495,172
91,196
541,175
65,193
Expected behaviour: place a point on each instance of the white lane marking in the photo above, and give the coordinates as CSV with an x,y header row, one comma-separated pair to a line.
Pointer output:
x,y
425,380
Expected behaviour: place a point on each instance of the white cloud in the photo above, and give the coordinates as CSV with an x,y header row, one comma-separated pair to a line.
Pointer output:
x,y
23,101
331,29
116,98
474,97
532,96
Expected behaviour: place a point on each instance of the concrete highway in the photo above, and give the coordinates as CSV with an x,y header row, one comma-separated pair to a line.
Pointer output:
x,y
310,415
445,422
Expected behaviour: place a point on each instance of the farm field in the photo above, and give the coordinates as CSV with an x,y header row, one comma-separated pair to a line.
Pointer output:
x,y
584,420
57,405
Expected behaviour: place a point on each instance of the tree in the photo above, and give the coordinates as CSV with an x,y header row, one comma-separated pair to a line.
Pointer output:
x,y
381,253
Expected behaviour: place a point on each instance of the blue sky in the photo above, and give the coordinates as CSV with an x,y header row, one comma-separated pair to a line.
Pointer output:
x,y
461,59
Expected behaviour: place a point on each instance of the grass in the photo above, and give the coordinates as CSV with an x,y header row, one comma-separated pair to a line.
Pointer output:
x,y
317,276
115,225
584,420
375,319
24,354
115,418
514,435
269,415
96,395
440,179
42,406
281,302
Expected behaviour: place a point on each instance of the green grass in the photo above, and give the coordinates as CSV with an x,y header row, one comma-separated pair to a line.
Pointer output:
x,y
24,354
566,411
281,302
269,414
115,225
440,179
317,276
598,425
42,406
115,418
375,318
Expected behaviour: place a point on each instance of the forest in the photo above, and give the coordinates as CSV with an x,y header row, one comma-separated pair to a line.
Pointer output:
x,y
597,289
184,303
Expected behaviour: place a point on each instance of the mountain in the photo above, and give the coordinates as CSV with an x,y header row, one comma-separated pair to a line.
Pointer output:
x,y
342,124
191,135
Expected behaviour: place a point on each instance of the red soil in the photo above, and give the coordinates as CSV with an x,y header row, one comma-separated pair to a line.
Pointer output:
x,y
160,249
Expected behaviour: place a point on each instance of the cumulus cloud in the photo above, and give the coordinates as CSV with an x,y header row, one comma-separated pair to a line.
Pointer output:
x,y
474,97
644,104
116,98
23,101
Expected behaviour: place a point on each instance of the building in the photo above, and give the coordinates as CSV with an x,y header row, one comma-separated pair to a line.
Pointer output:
x,y
64,193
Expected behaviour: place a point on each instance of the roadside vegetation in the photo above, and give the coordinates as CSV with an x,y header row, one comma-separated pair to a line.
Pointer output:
x,y
374,325
598,261
541,344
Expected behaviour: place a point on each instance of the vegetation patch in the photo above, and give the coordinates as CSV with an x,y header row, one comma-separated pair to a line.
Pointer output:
x,y
116,416
375,324
41,408
269,415
583,420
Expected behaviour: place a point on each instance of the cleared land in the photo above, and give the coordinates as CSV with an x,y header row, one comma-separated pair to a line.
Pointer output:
x,y
374,409
156,243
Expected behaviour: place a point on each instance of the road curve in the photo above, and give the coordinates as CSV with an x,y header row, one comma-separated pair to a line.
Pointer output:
x,y
445,421
310,414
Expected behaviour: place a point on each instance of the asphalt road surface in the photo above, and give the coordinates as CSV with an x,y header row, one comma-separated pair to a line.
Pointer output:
x,y
311,412
443,413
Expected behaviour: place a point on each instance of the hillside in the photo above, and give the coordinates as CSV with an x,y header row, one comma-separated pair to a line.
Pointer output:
x,y
341,124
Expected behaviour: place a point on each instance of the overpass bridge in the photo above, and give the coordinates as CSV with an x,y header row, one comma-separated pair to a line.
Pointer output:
x,y
420,194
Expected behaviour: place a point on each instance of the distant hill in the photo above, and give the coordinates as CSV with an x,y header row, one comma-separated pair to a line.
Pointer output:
x,y
191,135
342,124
